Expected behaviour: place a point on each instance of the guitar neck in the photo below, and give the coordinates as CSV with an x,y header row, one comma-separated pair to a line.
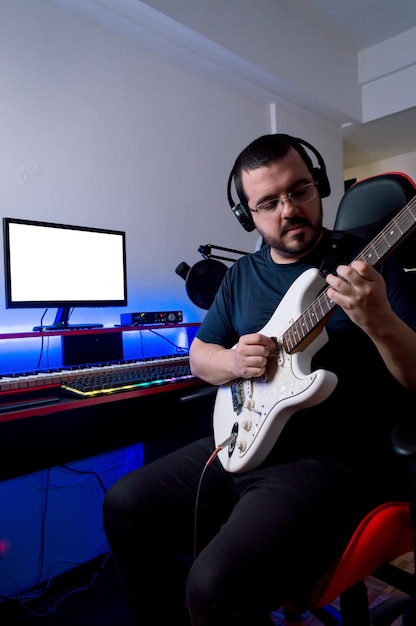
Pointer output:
x,y
374,253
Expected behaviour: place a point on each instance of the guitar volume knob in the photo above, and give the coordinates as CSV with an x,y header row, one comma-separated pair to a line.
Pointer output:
x,y
249,404
246,424
241,445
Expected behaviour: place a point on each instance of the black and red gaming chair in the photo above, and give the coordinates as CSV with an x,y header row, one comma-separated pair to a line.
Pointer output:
x,y
369,203
389,531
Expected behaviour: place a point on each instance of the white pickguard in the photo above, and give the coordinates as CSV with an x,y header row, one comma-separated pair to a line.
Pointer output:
x,y
258,409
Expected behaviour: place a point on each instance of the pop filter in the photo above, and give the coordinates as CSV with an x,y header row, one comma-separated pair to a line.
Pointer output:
x,y
202,280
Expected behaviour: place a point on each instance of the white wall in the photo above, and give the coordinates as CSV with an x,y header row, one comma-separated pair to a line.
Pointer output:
x,y
97,129
387,73
403,163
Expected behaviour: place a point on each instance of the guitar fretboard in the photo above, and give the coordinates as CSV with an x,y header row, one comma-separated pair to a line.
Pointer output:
x,y
399,227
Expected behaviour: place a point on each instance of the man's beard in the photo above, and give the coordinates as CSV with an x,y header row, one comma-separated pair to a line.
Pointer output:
x,y
299,244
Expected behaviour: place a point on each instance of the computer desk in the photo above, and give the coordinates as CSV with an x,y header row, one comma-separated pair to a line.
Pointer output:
x,y
67,429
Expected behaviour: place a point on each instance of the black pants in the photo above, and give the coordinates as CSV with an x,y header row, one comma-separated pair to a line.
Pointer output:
x,y
260,538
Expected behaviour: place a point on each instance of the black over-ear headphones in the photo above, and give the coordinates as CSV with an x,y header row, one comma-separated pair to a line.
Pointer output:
x,y
243,213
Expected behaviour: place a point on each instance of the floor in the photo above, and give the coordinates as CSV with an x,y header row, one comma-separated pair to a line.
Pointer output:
x,y
377,593
93,596
88,596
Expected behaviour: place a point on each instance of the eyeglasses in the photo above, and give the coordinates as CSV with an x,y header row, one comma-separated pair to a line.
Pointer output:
x,y
299,196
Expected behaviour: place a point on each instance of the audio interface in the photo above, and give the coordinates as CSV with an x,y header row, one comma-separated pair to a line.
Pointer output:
x,y
151,317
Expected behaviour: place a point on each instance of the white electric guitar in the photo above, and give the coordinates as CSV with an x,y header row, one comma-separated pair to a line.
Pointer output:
x,y
251,413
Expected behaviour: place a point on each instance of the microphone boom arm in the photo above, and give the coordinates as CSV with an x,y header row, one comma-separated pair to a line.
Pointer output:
x,y
206,252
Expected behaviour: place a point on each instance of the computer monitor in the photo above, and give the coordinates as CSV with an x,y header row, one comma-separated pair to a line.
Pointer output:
x,y
60,265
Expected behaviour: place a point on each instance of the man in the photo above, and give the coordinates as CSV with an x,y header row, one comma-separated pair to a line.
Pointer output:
x,y
261,536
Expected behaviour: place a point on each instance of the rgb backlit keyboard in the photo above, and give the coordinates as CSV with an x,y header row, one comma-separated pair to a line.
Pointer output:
x,y
129,376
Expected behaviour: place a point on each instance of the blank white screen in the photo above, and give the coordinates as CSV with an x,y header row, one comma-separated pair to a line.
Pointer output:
x,y
59,264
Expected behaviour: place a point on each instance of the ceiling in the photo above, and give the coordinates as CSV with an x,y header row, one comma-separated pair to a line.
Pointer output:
x,y
384,138
365,22
369,22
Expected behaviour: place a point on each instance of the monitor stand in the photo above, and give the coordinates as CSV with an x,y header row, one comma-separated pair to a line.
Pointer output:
x,y
61,322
